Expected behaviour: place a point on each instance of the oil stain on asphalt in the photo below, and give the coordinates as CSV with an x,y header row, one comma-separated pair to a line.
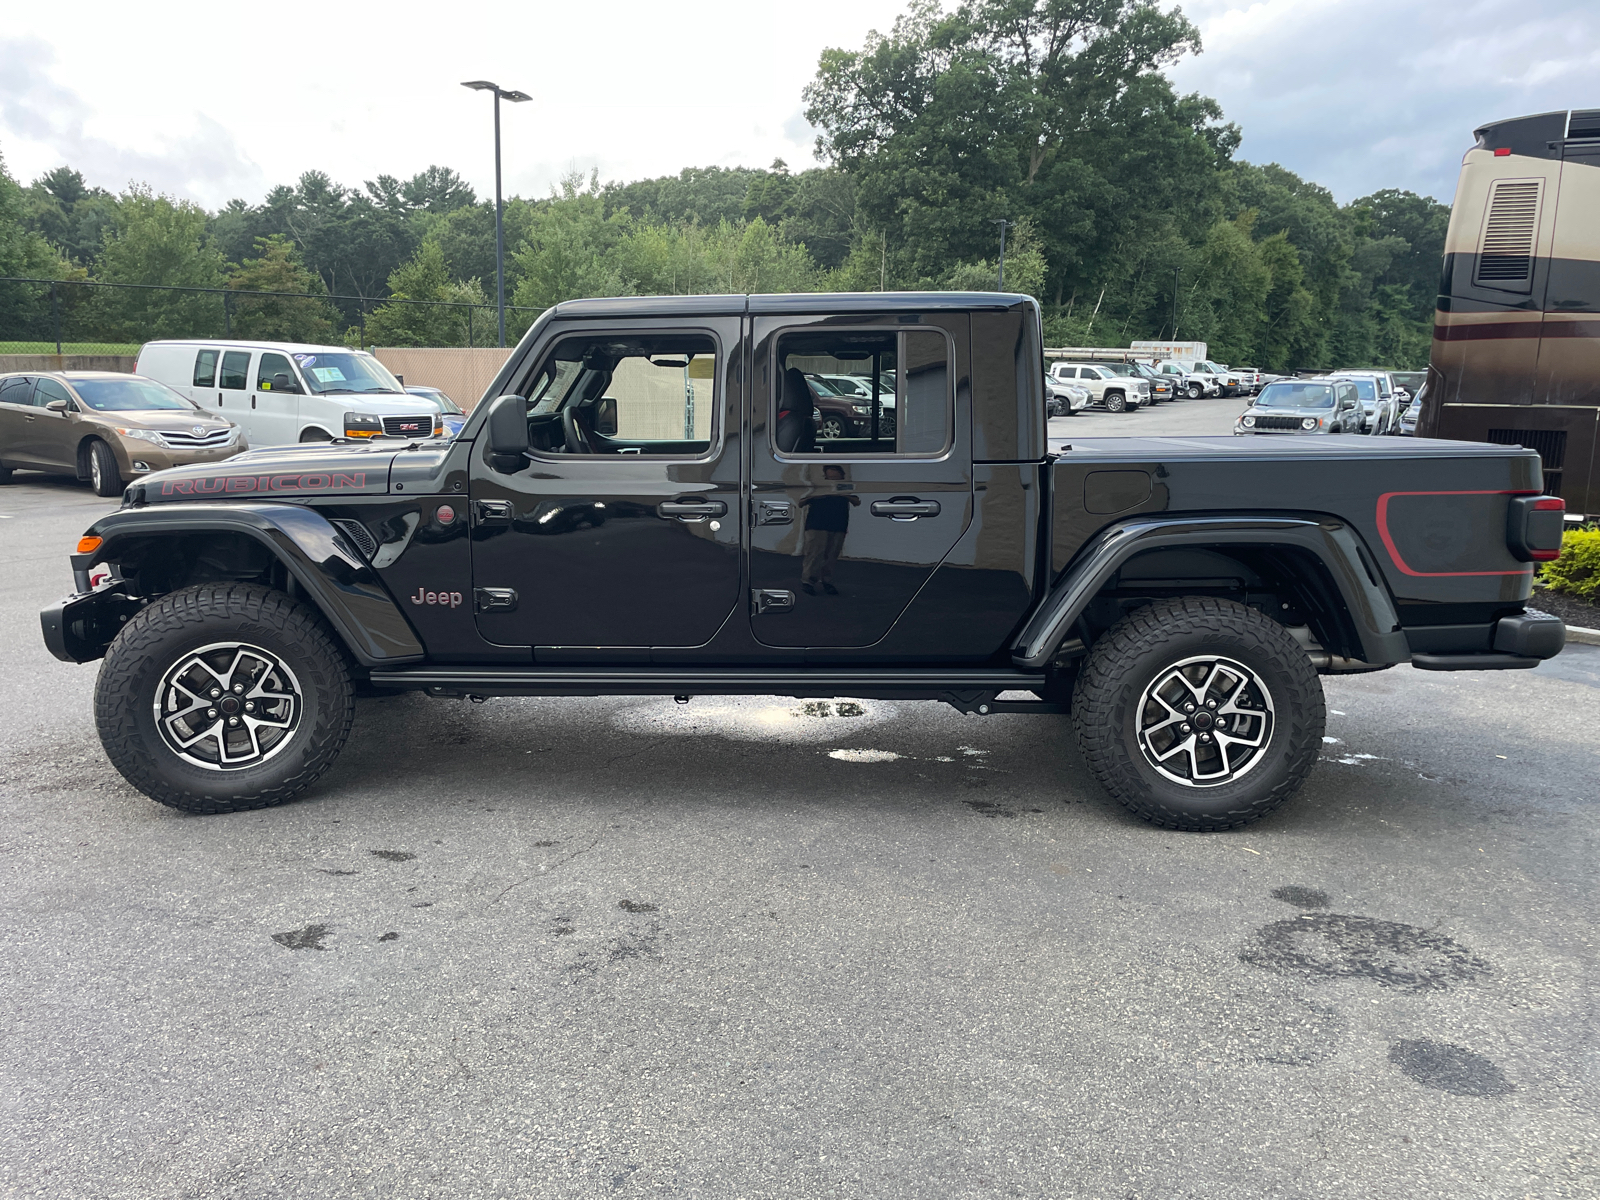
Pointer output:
x,y
309,938
1328,946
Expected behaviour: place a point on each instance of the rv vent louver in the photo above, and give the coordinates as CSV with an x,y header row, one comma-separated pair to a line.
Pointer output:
x,y
1505,257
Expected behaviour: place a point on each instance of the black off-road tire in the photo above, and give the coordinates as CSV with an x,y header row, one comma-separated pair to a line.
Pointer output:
x,y
1147,643
161,635
104,474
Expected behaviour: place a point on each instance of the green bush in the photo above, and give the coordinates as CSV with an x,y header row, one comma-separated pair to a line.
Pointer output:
x,y
1577,571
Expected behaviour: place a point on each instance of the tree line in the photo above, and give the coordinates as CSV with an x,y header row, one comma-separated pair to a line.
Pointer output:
x,y
1128,213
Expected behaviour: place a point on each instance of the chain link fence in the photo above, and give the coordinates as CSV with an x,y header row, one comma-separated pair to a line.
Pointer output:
x,y
87,318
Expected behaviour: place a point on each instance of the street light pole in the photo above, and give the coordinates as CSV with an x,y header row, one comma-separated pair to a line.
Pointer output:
x,y
500,93
1000,283
1175,271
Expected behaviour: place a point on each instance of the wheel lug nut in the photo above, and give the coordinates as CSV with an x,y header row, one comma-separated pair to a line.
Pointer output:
x,y
1184,728
249,706
215,692
1188,708
239,687
1209,703
233,720
211,712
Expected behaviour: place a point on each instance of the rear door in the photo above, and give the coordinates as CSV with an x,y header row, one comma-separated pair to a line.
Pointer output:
x,y
233,393
621,530
847,530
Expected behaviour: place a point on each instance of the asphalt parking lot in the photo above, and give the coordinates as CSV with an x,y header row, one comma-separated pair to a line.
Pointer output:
x,y
761,948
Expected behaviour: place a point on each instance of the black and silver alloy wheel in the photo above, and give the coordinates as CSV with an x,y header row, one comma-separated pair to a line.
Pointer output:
x,y
224,697
1198,713
228,706
1205,721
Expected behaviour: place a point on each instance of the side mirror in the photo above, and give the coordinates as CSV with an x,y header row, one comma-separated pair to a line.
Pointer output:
x,y
508,426
605,417
284,382
59,406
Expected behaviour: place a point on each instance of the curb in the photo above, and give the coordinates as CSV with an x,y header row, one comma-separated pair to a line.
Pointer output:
x,y
1584,637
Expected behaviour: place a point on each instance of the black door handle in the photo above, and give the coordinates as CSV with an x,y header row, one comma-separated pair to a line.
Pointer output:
x,y
905,508
692,510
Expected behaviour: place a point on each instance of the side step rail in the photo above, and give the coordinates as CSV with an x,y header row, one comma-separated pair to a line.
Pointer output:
x,y
968,690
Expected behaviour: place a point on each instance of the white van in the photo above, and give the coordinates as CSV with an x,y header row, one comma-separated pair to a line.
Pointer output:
x,y
283,392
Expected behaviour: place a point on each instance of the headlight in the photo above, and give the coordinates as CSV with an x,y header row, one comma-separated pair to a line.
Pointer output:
x,y
861,410
145,435
1249,422
1309,423
360,425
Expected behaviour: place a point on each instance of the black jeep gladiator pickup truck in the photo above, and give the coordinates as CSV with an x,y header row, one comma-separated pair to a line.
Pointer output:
x,y
646,507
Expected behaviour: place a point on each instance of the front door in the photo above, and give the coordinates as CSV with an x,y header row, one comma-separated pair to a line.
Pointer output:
x,y
620,531
275,402
846,530
53,436
16,410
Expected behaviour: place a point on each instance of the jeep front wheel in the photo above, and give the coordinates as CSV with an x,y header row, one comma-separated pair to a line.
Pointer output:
x,y
1198,713
223,698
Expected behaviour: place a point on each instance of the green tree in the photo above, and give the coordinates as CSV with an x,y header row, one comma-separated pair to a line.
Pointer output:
x,y
570,248
280,318
160,243
457,315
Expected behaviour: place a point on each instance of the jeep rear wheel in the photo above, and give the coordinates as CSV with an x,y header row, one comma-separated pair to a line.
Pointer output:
x,y
1198,713
223,698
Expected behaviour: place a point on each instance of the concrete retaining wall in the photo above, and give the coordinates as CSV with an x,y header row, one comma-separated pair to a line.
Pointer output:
x,y
67,362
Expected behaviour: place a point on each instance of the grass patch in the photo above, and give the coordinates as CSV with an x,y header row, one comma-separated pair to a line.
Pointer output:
x,y
130,349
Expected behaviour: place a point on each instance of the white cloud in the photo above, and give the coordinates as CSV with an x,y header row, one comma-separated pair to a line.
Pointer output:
x,y
1366,94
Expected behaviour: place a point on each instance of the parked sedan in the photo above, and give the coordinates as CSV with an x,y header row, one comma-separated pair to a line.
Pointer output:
x,y
1301,406
105,427
454,418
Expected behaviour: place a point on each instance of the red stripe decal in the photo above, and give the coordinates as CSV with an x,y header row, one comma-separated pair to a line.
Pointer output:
x,y
1394,553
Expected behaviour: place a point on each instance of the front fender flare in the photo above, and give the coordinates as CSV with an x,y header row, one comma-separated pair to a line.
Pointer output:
x,y
312,550
1330,540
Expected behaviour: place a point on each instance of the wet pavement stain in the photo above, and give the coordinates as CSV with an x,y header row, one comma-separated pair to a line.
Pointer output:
x,y
309,938
546,844
331,871
392,855
1302,897
390,937
635,906
1449,1068
988,808
1340,946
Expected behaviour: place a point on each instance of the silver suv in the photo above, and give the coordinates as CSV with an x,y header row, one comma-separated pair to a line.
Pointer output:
x,y
1108,386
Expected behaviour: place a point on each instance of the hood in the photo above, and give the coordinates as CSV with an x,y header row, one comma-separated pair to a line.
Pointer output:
x,y
161,419
282,473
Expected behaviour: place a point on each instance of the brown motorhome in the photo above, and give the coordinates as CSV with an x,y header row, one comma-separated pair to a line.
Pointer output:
x,y
1516,340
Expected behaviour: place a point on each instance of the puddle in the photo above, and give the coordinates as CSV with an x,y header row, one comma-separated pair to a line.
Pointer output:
x,y
754,718
864,756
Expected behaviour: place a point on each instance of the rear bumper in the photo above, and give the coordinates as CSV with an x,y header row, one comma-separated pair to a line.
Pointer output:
x,y
1518,643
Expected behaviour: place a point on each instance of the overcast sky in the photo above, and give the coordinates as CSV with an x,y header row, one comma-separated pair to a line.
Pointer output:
x,y
209,101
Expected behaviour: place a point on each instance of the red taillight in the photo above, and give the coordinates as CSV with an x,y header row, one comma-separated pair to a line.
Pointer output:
x,y
1550,504
1503,152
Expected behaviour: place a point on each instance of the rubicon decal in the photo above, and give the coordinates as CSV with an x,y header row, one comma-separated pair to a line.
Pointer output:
x,y
214,485
448,599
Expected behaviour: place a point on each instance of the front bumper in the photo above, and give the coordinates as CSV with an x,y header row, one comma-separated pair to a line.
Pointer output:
x,y
137,458
78,628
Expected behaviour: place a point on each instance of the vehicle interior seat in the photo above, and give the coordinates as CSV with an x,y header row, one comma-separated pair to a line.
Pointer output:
x,y
795,433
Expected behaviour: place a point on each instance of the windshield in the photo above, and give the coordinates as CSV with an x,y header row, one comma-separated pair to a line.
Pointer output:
x,y
1296,395
1213,368
128,395
435,396
1367,389
345,371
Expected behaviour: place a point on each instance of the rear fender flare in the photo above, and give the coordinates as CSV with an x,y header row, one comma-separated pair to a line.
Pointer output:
x,y
1330,540
317,555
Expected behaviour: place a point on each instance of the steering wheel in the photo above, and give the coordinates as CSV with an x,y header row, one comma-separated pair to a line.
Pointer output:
x,y
577,438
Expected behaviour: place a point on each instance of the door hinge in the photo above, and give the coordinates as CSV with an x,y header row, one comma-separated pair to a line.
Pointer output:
x,y
765,600
491,512
774,512
495,599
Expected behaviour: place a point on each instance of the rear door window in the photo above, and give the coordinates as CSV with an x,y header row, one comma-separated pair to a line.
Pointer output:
x,y
205,369
912,416
18,390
